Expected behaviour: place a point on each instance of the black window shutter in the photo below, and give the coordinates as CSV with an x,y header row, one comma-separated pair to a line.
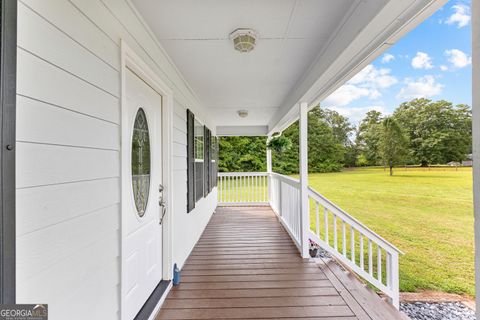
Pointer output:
x,y
215,163
210,181
206,161
190,161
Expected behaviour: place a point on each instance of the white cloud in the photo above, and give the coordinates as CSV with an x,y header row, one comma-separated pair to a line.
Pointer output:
x,y
458,58
422,61
356,115
388,58
423,87
367,83
346,94
443,68
461,16
374,94
371,77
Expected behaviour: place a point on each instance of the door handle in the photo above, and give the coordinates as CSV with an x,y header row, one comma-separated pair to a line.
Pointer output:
x,y
163,210
162,204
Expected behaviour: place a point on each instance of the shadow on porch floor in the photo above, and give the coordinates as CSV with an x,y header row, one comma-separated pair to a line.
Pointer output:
x,y
245,266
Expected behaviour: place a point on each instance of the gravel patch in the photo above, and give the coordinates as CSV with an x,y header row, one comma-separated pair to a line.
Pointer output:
x,y
437,311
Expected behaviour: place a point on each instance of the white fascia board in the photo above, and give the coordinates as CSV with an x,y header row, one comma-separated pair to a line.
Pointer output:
x,y
476,140
241,130
336,65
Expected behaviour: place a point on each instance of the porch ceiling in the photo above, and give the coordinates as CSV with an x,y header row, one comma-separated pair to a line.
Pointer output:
x,y
299,43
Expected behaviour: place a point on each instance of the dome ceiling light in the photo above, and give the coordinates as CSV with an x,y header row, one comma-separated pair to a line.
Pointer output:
x,y
242,113
244,40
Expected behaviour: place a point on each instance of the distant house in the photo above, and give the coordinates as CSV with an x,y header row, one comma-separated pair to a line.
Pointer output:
x,y
468,162
454,164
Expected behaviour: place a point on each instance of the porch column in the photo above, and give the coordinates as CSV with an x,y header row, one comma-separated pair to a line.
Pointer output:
x,y
269,158
269,171
304,208
476,140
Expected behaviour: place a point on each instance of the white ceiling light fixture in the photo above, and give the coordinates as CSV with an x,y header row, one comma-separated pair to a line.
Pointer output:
x,y
242,113
244,40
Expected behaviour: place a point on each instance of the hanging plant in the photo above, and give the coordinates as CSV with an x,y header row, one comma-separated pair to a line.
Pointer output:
x,y
279,144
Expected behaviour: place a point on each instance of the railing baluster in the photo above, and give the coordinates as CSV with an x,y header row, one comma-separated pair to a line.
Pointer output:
x,y
241,189
379,263
362,262
317,219
325,218
265,189
227,187
344,242
252,188
352,243
219,189
388,270
237,189
232,189
249,188
245,189
370,258
335,240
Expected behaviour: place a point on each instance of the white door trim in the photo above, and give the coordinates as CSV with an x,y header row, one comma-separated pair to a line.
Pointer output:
x,y
130,60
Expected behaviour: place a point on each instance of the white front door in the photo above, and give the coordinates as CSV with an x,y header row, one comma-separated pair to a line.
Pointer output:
x,y
142,214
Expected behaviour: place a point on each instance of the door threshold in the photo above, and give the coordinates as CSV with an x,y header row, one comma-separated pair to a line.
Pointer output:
x,y
155,301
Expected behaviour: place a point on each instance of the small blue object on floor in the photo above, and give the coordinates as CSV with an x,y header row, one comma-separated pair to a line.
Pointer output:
x,y
176,275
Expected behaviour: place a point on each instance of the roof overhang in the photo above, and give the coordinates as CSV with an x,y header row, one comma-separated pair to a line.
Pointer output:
x,y
305,50
339,63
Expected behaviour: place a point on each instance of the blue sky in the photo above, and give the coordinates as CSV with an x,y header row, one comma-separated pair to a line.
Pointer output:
x,y
432,61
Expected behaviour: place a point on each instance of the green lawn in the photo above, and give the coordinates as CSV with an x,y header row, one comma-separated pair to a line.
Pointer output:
x,y
428,214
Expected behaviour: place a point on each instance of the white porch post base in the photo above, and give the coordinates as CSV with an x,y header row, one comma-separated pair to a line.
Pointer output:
x,y
304,207
476,140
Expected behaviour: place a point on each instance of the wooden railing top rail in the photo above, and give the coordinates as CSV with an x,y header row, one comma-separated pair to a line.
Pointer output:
x,y
292,181
242,174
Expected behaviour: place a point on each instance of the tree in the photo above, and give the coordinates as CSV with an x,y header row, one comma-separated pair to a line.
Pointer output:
x,y
242,154
340,125
393,143
438,132
368,137
326,150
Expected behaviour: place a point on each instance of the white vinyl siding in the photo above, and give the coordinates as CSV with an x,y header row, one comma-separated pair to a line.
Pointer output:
x,y
187,227
68,153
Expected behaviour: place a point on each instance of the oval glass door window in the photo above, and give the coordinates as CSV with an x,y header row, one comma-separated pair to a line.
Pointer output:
x,y
140,162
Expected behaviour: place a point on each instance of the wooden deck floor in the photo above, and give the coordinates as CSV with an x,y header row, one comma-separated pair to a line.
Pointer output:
x,y
245,266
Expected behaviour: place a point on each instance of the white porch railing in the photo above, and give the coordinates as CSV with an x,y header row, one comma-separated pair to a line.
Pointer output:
x,y
345,238
242,188
362,250
285,202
